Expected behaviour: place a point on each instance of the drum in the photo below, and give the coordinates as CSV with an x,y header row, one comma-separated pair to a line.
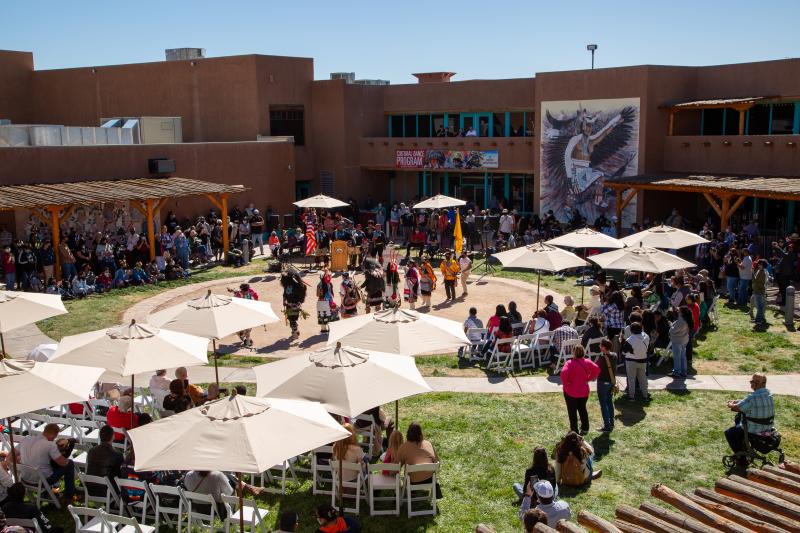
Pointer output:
x,y
339,256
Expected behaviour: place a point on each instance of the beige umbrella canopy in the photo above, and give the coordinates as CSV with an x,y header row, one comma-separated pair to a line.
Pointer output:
x,y
19,309
439,201
586,238
640,259
398,331
346,381
665,237
321,201
539,256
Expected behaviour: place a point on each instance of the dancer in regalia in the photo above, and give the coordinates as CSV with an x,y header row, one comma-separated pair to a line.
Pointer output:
x,y
294,294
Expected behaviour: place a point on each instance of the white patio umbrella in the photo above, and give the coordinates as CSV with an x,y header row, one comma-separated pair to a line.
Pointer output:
x,y
398,331
640,259
214,316
585,238
439,201
665,237
43,352
237,433
321,201
346,381
29,385
19,309
539,256
127,350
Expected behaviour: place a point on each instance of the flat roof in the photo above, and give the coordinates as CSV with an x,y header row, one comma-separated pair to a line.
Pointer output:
x,y
94,192
776,187
718,102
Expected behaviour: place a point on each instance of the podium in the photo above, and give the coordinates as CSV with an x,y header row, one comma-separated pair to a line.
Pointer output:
x,y
339,256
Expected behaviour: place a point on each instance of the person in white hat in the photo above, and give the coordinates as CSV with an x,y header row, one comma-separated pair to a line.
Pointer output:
x,y
545,498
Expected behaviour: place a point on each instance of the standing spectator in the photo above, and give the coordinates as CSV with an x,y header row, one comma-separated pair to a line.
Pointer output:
x,y
785,268
257,226
731,276
450,271
506,224
606,384
47,259
465,263
635,351
9,268
614,312
760,291
745,265
679,337
67,261
575,378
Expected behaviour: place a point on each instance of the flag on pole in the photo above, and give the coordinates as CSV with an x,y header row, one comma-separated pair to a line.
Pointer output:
x,y
457,237
311,239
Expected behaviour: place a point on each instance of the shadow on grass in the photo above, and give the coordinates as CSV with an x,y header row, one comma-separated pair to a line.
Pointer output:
x,y
602,445
630,413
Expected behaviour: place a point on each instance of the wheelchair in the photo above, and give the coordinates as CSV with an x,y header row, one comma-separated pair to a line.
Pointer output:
x,y
757,447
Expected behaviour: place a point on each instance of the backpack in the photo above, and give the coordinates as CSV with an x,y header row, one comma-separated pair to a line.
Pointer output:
x,y
572,472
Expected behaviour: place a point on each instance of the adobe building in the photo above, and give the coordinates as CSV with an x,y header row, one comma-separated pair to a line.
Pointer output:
x,y
557,141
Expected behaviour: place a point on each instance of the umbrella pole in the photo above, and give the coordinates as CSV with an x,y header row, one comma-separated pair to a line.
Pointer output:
x,y
3,346
341,482
538,283
240,490
397,414
133,399
214,355
583,276
13,451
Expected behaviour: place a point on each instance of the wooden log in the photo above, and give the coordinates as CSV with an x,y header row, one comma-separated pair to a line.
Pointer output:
x,y
740,518
627,527
595,523
676,519
645,520
791,466
565,526
665,494
778,493
757,497
782,472
774,481
541,527
750,510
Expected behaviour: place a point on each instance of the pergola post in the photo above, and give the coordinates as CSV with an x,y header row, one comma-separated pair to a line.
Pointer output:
x,y
55,235
151,237
618,203
671,122
724,212
223,201
741,121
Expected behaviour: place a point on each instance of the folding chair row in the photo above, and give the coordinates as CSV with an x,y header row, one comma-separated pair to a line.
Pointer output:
x,y
89,520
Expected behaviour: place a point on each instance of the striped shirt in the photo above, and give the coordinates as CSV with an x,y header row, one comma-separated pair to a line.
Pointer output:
x,y
758,404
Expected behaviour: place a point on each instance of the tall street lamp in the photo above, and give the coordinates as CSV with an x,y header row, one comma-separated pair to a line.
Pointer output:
x,y
592,48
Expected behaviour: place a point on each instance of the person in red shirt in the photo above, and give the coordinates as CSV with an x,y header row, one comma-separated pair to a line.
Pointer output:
x,y
575,378
120,416
9,268
417,241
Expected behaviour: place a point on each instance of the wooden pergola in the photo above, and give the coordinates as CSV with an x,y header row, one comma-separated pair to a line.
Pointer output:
x,y
741,105
725,194
52,203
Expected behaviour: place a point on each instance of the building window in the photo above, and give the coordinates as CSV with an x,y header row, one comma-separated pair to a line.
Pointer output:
x,y
731,122
712,121
782,119
287,121
758,120
425,126
396,126
410,125
517,124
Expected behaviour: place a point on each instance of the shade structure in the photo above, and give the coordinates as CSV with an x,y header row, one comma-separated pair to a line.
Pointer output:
x,y
19,309
131,349
321,201
398,331
439,201
346,381
540,256
586,238
237,433
42,353
29,385
214,316
640,259
665,237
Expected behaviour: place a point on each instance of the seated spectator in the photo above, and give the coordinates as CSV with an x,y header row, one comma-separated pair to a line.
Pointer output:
x,y
593,332
574,461
177,401
212,483
568,314
138,275
551,312
159,381
274,244
130,494
348,450
195,393
494,320
539,323
472,322
289,522
120,416
42,453
545,496
121,276
15,506
52,287
104,281
561,334
395,441
415,451
514,315
504,331
5,475
79,287
540,469
531,517
330,521
103,461
758,407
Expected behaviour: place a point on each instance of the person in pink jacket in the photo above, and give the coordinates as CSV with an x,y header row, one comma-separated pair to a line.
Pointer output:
x,y
575,378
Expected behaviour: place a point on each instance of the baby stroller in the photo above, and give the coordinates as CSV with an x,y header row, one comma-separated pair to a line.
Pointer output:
x,y
757,447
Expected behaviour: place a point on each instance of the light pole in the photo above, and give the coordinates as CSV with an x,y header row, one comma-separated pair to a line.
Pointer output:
x,y
592,48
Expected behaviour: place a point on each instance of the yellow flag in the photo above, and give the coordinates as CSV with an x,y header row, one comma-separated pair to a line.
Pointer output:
x,y
457,237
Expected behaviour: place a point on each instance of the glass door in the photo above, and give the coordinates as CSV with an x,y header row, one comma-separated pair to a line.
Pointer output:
x,y
484,124
467,122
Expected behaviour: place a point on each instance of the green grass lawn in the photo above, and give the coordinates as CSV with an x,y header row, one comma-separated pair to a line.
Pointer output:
x,y
485,444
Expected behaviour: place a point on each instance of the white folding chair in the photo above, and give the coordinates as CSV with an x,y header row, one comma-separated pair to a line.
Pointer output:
x,y
37,422
665,353
518,328
124,524
367,433
140,506
524,349
87,431
30,524
428,488
379,481
593,348
352,490
121,445
278,474
253,514
582,329
321,473
5,444
20,425
197,504
478,338
88,520
95,405
99,482
500,360
567,346
165,497
36,485
542,347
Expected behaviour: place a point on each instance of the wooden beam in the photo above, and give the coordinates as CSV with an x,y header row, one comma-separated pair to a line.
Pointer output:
x,y
223,205
785,495
751,510
41,215
698,512
741,121
66,213
759,498
55,233
677,519
647,521
136,204
760,526
564,526
629,197
736,205
595,523
618,203
724,218
714,205
214,201
671,122
151,237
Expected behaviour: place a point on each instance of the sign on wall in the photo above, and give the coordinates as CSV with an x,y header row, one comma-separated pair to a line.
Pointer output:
x,y
583,144
447,159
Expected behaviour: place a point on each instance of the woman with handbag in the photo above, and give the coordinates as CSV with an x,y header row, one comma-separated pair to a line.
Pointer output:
x,y
607,384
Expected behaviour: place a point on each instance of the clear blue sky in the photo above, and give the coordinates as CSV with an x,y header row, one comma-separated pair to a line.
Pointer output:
x,y
390,40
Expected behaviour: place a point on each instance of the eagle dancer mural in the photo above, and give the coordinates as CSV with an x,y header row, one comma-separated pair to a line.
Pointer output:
x,y
583,144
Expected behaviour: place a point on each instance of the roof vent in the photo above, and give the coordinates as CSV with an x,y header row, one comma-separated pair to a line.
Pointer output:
x,y
183,54
433,77
348,77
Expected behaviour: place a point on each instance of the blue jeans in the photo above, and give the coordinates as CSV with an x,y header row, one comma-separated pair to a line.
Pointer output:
x,y
606,397
70,270
679,365
744,284
733,284
68,473
11,281
761,304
